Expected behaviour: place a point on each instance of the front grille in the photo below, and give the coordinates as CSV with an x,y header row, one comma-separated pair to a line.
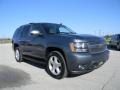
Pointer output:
x,y
97,48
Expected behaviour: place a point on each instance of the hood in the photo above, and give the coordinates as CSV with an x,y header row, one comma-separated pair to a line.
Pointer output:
x,y
85,37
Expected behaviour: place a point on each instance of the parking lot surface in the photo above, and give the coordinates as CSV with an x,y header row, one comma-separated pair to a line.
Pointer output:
x,y
27,76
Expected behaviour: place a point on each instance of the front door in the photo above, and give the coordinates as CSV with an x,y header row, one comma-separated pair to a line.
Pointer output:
x,y
37,42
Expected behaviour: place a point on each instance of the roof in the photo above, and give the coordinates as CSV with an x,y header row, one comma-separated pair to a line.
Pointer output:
x,y
46,23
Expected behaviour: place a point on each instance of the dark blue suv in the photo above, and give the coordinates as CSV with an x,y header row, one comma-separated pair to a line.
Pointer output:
x,y
63,50
115,41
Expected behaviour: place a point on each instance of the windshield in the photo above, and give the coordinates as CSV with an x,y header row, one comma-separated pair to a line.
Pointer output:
x,y
55,29
65,30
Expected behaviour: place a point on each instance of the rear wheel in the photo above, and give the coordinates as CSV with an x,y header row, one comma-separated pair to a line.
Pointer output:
x,y
18,55
56,66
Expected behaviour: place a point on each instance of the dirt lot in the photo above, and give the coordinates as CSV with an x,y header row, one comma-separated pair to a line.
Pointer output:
x,y
26,76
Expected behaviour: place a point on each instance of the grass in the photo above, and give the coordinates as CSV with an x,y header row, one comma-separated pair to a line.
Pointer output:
x,y
5,40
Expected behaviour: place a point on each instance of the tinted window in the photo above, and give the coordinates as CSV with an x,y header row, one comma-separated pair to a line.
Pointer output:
x,y
57,29
65,30
17,33
36,27
25,31
50,29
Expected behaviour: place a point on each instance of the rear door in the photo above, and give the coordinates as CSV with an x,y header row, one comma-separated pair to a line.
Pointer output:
x,y
25,40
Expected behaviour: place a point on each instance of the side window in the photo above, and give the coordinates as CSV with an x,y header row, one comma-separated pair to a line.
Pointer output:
x,y
50,29
25,31
35,27
17,33
63,30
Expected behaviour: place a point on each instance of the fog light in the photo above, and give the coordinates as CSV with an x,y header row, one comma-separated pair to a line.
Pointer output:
x,y
81,67
101,63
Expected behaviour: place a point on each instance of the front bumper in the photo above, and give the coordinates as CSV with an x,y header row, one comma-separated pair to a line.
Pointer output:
x,y
85,62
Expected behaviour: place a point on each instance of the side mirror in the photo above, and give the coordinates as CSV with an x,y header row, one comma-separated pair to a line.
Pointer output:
x,y
36,33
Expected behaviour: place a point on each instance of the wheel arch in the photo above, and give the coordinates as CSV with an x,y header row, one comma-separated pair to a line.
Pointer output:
x,y
50,49
15,46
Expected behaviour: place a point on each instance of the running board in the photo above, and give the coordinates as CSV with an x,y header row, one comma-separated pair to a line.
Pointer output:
x,y
35,60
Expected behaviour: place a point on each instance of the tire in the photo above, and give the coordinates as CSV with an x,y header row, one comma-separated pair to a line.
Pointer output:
x,y
118,46
56,66
18,55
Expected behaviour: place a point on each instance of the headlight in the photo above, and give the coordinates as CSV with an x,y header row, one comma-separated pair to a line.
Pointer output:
x,y
78,46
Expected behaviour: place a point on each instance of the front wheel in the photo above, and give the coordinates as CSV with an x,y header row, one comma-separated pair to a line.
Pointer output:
x,y
18,55
56,66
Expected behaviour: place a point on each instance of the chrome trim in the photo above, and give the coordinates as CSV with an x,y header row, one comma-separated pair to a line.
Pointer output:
x,y
99,48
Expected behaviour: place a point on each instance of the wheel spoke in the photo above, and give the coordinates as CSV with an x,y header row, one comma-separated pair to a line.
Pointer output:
x,y
17,55
58,70
50,66
54,65
53,70
51,60
58,64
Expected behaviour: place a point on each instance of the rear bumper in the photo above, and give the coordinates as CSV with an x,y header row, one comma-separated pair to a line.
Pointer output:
x,y
85,62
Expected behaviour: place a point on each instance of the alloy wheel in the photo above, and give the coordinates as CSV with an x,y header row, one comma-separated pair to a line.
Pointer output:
x,y
17,55
54,65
